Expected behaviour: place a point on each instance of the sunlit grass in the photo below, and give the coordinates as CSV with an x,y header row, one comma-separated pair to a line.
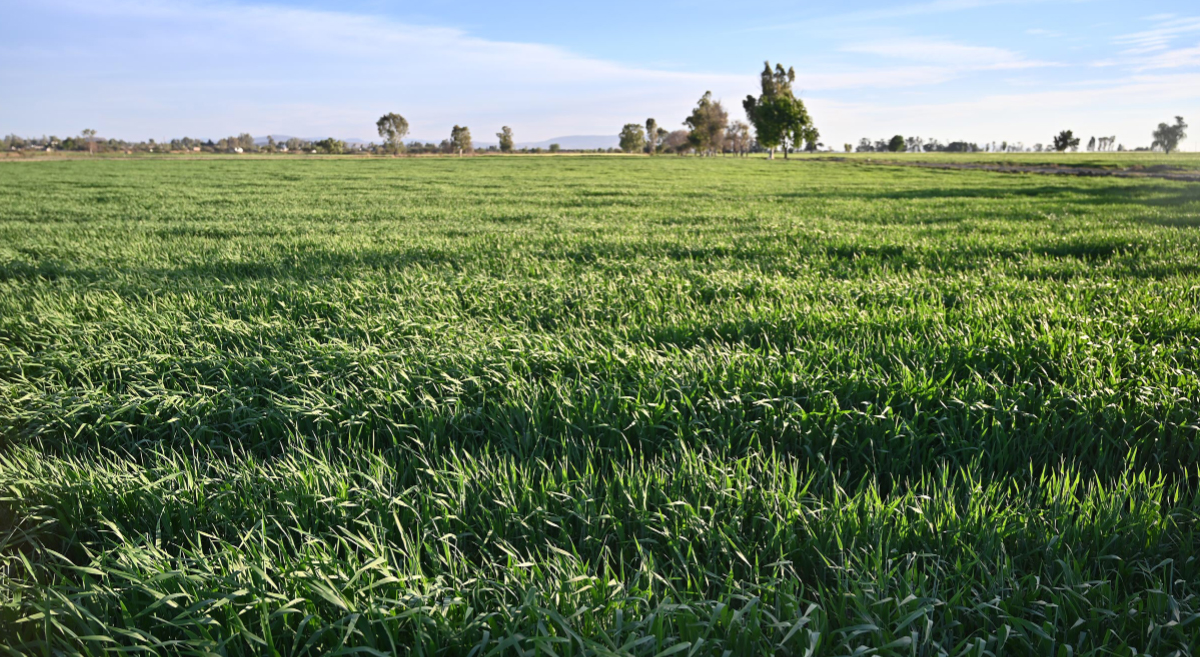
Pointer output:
x,y
595,406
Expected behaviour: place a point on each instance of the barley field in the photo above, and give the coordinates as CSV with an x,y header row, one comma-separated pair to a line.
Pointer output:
x,y
596,406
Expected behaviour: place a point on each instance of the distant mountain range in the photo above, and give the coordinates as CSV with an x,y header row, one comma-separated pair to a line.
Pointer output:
x,y
570,142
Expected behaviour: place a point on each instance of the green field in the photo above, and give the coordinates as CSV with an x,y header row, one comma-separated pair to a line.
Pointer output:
x,y
596,405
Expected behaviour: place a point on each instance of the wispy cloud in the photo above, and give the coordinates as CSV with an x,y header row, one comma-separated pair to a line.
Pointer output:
x,y
265,62
915,9
1160,37
955,56
1175,58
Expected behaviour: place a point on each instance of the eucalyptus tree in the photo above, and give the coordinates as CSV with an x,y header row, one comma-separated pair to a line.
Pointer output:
x,y
652,137
707,125
392,128
460,139
1167,137
506,139
1066,140
633,138
779,118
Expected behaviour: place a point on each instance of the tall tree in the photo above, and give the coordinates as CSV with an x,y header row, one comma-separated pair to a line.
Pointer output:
x,y
1064,140
651,136
1167,137
392,128
897,144
633,138
506,139
90,136
779,118
707,125
460,139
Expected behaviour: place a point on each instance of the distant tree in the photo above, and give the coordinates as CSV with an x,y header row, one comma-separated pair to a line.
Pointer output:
x,y
864,146
295,144
1167,137
1091,144
1065,140
460,140
271,145
89,135
897,144
392,128
331,146
554,148
707,125
738,137
245,141
676,141
633,138
812,139
651,136
779,118
913,144
848,147
506,139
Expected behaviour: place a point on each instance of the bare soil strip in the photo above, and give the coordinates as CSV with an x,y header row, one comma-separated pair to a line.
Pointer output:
x,y
1163,173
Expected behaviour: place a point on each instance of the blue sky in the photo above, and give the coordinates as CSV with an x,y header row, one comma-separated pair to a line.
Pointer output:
x,y
981,70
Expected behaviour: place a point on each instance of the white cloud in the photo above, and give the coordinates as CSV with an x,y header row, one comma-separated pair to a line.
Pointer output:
x,y
164,68
867,16
313,72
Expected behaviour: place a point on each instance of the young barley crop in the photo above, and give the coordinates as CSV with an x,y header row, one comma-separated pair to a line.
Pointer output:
x,y
595,406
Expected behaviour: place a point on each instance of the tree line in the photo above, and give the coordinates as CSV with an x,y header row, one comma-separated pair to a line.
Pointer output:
x,y
778,119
